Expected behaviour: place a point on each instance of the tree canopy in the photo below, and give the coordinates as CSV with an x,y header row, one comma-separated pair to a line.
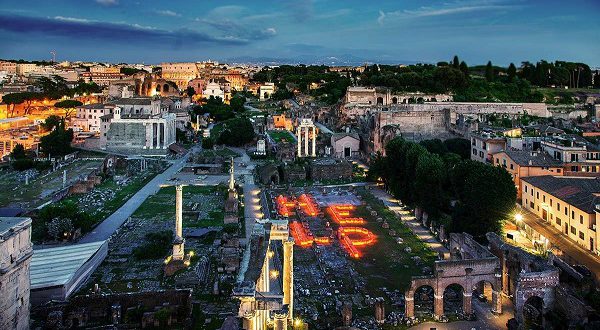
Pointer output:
x,y
430,174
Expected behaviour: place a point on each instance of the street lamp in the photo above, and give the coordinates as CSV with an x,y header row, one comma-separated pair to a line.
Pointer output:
x,y
518,217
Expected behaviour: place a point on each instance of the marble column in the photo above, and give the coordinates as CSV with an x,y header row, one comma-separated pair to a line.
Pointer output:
x,y
158,137
467,310
178,243
306,138
409,307
496,302
288,276
299,137
314,142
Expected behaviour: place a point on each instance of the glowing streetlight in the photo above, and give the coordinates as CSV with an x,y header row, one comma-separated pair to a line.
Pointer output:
x,y
518,217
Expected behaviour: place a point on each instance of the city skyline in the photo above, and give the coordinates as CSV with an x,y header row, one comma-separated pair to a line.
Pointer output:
x,y
502,31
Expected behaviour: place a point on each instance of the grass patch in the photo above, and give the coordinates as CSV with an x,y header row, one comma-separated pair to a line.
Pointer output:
x,y
283,135
386,264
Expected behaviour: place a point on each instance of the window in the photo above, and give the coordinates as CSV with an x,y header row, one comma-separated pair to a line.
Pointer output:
x,y
581,219
558,170
550,202
558,206
474,151
573,231
532,205
558,221
572,214
512,167
537,195
525,188
581,235
544,198
566,211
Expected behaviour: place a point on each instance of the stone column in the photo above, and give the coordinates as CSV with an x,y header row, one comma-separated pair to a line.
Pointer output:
x,y
299,136
409,307
496,302
504,271
314,142
467,303
306,141
288,276
178,243
158,137
438,305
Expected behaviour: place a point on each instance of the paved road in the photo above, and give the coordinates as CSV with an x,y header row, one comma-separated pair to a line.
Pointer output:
x,y
110,225
572,253
486,320
252,193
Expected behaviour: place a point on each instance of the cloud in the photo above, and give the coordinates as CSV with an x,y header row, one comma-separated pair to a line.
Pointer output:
x,y
169,13
108,2
453,8
234,22
131,34
381,17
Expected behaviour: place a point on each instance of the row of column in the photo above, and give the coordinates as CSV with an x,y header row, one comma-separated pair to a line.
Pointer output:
x,y
164,137
306,138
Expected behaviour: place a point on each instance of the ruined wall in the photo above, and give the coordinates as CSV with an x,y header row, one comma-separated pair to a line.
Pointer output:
x,y
136,309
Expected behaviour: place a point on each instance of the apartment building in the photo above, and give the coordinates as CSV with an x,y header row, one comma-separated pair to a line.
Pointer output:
x,y
569,204
524,163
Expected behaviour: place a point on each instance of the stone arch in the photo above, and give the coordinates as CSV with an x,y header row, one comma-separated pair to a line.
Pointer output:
x,y
166,88
533,313
433,99
158,88
420,100
453,299
411,100
394,100
266,95
420,298
379,100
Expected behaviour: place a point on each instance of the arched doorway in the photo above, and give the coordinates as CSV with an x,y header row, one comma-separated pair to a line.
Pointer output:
x,y
166,88
394,100
483,295
533,313
420,100
411,100
424,301
158,88
380,100
453,300
266,95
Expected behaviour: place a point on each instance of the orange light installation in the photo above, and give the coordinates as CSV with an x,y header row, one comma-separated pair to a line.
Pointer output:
x,y
308,205
284,205
341,215
353,237
300,235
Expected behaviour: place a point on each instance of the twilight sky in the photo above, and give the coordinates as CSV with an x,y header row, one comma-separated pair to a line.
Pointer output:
x,y
397,31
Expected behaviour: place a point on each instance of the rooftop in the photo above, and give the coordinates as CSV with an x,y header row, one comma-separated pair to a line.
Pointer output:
x,y
577,191
56,266
9,223
133,101
529,158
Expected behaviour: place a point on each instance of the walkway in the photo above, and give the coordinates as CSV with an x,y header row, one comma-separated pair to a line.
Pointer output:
x,y
110,225
572,253
409,219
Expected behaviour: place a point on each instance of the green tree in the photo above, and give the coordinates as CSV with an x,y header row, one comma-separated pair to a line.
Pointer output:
x,y
18,152
207,143
459,146
464,69
58,141
26,98
489,72
236,132
512,71
190,91
237,103
429,176
455,62
68,105
487,198
51,122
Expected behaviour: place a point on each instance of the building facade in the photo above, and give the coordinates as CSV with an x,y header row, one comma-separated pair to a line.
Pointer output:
x,y
566,203
15,258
